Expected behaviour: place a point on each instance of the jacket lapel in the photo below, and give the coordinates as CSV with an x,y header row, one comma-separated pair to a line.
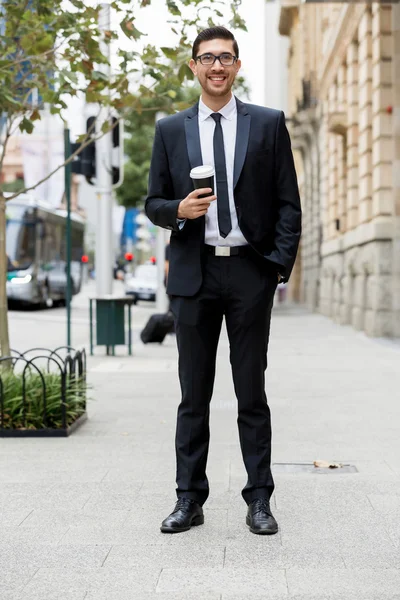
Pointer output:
x,y
242,139
193,137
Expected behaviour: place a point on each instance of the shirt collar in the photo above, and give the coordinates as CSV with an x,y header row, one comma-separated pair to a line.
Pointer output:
x,y
228,111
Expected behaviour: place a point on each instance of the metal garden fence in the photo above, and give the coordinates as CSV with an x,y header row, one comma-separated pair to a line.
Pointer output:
x,y
43,395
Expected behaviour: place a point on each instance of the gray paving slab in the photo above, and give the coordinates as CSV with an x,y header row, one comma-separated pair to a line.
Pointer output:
x,y
28,475
109,501
46,498
92,490
386,503
51,534
13,580
52,594
63,518
270,554
330,596
118,595
15,556
143,470
387,507
272,583
79,580
98,533
350,583
13,517
81,516
177,556
387,487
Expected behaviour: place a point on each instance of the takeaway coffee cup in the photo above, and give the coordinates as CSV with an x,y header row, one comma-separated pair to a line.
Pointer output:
x,y
203,177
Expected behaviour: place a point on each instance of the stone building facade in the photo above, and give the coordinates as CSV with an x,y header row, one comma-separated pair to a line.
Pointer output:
x,y
344,119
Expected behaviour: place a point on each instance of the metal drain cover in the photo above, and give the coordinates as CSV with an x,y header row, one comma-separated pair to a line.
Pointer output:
x,y
310,468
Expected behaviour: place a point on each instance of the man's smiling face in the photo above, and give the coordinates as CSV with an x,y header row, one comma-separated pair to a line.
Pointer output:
x,y
216,80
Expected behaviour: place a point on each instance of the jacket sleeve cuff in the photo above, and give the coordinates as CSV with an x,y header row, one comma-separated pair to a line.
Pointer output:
x,y
166,215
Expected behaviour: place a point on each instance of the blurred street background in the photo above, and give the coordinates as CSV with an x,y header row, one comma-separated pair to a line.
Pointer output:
x,y
334,70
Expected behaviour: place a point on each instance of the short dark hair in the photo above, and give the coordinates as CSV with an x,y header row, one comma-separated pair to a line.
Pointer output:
x,y
214,33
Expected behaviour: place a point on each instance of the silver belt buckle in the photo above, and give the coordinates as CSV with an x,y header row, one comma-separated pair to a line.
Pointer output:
x,y
222,251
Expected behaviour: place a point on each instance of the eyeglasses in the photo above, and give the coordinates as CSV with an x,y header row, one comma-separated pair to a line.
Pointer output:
x,y
226,59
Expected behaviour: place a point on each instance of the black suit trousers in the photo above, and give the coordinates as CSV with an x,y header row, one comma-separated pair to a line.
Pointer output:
x,y
241,288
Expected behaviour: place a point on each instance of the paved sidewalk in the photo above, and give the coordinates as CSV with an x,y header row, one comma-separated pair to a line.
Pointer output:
x,y
79,518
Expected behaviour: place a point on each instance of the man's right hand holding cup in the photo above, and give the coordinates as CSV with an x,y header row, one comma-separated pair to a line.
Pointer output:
x,y
195,205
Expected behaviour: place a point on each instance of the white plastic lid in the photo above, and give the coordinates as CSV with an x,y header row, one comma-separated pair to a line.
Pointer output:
x,y
202,172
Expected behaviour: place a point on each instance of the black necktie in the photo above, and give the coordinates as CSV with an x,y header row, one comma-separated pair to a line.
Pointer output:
x,y
224,213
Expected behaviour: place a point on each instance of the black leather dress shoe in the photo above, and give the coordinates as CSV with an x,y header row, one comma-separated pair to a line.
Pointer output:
x,y
260,518
185,514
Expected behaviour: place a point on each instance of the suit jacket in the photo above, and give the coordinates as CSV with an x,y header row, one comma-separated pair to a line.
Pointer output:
x,y
265,191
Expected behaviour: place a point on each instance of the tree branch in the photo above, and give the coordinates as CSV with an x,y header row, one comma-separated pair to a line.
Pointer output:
x,y
88,140
21,83
36,57
31,59
3,152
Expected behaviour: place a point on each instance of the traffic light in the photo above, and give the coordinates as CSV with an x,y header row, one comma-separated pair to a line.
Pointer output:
x,y
85,162
117,157
129,256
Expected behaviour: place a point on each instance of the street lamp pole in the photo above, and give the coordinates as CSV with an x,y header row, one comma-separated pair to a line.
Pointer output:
x,y
104,237
67,175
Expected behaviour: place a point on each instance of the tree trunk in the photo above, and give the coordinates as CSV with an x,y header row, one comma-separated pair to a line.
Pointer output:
x,y
4,337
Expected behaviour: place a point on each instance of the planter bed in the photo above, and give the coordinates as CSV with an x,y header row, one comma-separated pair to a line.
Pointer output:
x,y
42,392
45,432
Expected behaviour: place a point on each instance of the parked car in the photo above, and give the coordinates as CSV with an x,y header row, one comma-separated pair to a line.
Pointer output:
x,y
143,284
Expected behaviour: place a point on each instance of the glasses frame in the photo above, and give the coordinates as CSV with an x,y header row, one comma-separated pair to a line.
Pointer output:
x,y
200,56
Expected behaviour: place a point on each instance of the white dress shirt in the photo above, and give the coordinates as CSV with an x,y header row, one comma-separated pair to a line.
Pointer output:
x,y
206,128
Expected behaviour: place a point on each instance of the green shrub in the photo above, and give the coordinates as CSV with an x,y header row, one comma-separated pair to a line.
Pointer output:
x,y
13,407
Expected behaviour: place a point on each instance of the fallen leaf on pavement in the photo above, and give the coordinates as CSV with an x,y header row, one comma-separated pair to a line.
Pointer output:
x,y
323,464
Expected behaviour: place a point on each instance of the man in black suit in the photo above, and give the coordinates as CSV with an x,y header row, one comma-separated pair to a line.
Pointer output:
x,y
227,253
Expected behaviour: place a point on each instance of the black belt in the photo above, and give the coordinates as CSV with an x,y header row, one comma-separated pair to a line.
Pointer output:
x,y
228,250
